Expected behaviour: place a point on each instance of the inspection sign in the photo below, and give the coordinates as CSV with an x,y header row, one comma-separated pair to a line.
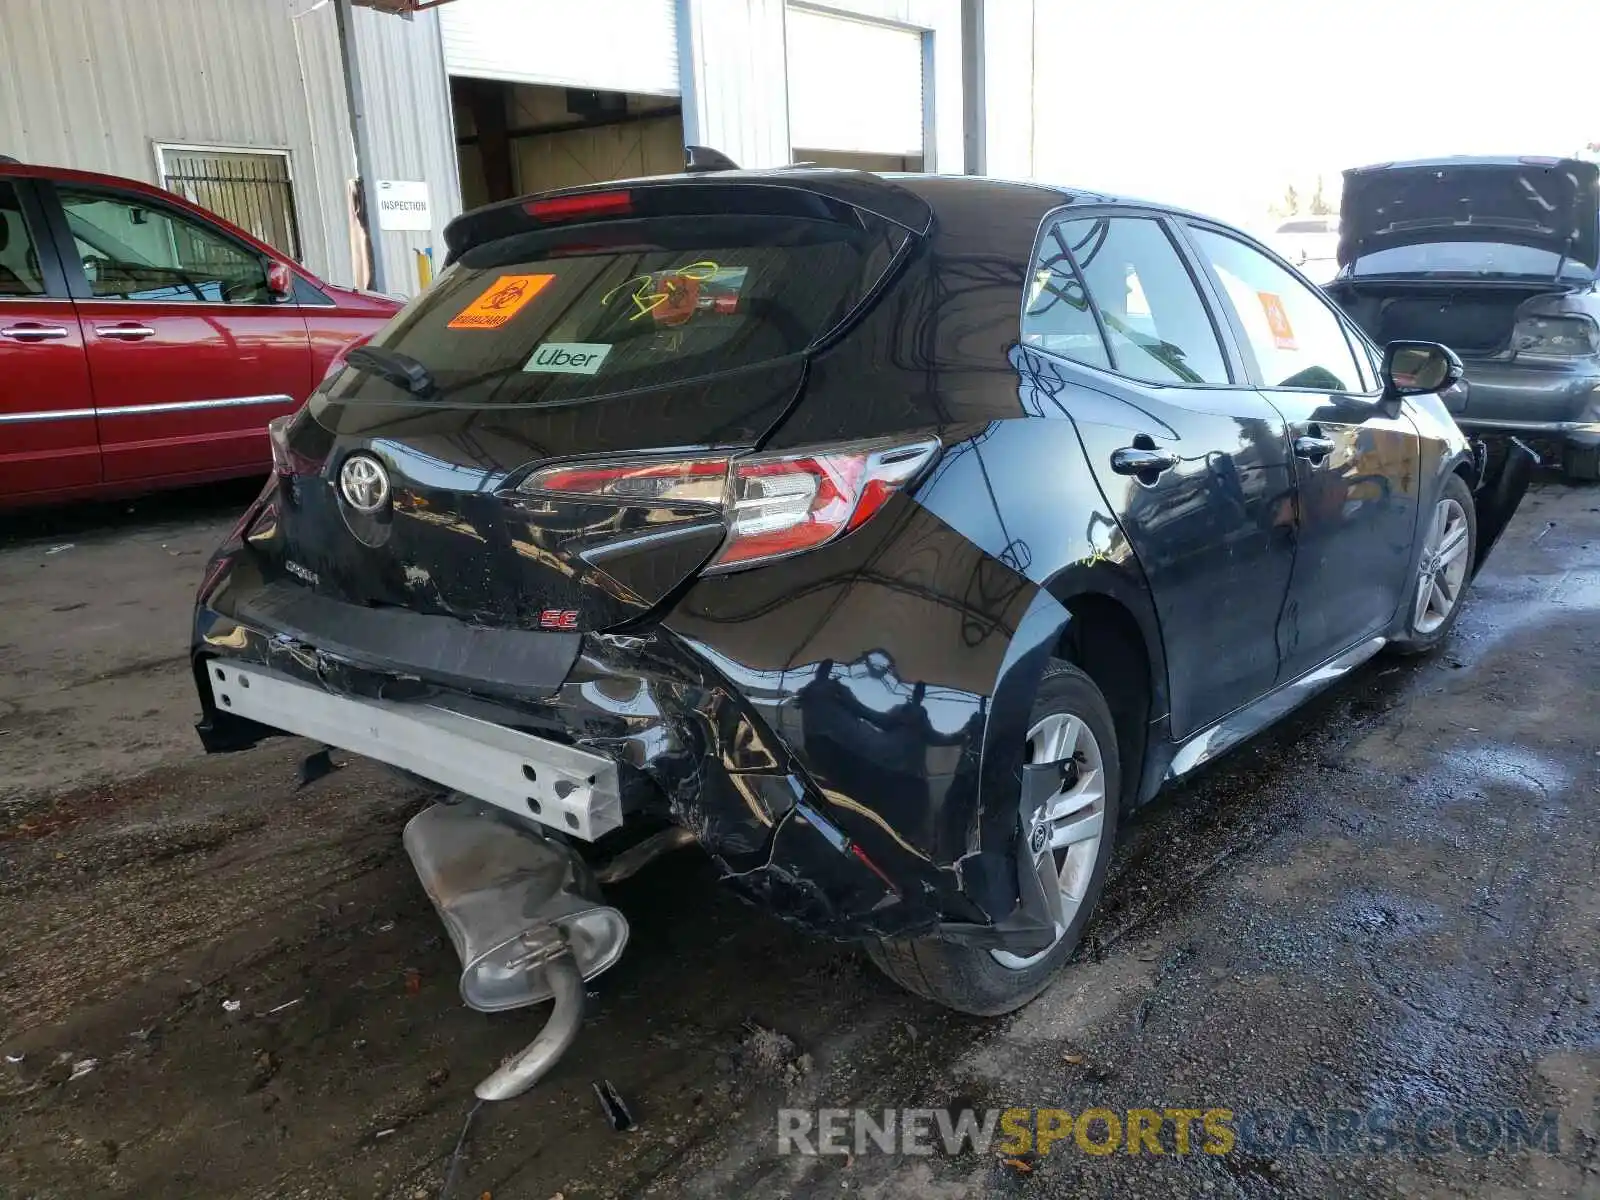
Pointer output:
x,y
403,205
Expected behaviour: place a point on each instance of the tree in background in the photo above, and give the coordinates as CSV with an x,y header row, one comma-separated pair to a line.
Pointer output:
x,y
1319,204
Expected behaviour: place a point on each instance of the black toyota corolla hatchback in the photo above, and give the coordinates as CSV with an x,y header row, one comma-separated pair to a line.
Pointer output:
x,y
891,536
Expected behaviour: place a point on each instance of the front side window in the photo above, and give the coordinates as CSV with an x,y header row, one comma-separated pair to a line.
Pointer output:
x,y
1298,340
1156,324
19,260
135,251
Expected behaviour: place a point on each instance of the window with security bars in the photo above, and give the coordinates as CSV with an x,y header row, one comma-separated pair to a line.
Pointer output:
x,y
251,188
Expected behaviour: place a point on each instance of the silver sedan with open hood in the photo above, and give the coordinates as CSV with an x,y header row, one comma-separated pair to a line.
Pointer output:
x,y
1496,258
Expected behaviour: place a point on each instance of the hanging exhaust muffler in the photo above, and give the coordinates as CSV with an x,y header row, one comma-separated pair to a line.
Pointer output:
x,y
526,918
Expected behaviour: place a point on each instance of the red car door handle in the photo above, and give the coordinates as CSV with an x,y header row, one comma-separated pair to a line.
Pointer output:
x,y
34,333
126,332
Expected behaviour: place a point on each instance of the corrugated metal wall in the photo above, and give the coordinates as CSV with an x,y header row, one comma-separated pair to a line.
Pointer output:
x,y
413,134
734,67
554,42
95,84
732,73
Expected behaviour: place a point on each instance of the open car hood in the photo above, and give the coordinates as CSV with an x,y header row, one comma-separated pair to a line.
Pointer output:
x,y
1548,203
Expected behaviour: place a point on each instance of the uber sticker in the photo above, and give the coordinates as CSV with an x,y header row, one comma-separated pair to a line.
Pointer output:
x,y
500,301
568,358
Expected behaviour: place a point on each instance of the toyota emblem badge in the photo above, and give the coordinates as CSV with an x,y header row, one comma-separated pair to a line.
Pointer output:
x,y
364,483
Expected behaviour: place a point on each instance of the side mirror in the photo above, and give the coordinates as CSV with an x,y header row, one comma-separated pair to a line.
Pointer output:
x,y
280,281
1418,369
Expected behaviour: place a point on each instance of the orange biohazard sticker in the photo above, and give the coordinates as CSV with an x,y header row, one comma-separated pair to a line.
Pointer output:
x,y
1278,320
501,301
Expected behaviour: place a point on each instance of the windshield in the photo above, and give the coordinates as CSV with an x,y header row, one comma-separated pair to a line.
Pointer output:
x,y
551,318
1469,258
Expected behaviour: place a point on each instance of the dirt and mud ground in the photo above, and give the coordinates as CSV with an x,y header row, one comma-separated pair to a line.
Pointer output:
x,y
214,984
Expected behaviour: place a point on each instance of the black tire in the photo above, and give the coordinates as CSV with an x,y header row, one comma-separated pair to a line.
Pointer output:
x,y
968,978
1411,641
1580,464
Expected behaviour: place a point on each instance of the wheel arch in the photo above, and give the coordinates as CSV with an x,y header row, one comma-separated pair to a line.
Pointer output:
x,y
1100,612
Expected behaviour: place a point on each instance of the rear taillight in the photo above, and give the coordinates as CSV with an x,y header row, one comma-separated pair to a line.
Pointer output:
x,y
781,506
1556,337
774,505
695,480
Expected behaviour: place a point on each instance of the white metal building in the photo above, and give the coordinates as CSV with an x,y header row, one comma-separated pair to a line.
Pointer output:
x,y
239,104
243,104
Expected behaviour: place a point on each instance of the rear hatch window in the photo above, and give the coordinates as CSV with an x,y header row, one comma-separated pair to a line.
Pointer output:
x,y
553,317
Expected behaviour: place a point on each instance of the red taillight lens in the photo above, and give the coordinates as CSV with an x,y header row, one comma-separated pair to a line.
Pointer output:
x,y
783,506
574,208
775,505
697,480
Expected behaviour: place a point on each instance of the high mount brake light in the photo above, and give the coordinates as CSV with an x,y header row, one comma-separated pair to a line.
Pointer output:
x,y
575,208
776,505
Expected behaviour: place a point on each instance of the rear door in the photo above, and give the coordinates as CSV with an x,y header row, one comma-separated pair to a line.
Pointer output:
x,y
1356,470
1189,455
47,428
188,355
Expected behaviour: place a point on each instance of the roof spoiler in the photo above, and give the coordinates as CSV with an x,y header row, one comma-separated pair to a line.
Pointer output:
x,y
711,190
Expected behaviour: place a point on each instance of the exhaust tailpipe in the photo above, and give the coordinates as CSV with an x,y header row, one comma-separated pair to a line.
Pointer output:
x,y
526,919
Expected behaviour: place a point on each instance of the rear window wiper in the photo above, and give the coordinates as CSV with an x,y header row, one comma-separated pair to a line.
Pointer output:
x,y
399,369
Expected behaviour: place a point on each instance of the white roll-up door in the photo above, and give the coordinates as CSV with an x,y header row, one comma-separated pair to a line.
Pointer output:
x,y
854,86
609,45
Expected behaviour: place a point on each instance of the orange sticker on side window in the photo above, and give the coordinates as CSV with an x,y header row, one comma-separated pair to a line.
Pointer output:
x,y
501,301
1278,320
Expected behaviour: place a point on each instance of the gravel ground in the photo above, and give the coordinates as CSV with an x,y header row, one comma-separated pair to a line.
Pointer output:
x,y
1389,905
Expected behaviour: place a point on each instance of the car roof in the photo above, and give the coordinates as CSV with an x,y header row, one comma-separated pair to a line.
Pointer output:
x,y
1464,160
22,170
72,175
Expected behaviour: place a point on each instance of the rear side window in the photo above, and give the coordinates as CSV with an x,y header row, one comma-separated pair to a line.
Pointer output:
x,y
19,261
1156,325
1057,316
552,317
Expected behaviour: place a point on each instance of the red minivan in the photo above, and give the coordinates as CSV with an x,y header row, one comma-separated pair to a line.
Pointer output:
x,y
145,342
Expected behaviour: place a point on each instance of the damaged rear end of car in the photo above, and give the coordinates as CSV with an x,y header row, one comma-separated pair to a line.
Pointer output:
x,y
554,542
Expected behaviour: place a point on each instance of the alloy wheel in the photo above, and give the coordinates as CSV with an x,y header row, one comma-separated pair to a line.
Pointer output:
x,y
1070,825
1443,573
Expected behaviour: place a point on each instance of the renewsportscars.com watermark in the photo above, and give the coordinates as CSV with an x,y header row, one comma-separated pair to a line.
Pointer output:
x,y
1176,1131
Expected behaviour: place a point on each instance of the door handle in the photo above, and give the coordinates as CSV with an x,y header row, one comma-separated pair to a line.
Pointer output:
x,y
1136,460
34,333
125,333
1313,447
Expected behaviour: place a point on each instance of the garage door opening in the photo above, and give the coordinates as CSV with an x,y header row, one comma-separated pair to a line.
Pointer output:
x,y
856,93
517,138
859,162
